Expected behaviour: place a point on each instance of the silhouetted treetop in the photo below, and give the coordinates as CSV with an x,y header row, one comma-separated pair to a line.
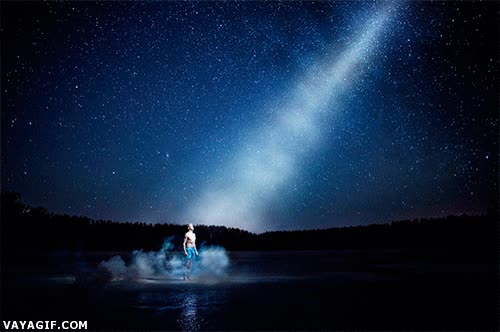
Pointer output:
x,y
26,228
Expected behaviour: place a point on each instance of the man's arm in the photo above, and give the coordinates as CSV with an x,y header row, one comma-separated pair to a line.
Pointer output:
x,y
184,245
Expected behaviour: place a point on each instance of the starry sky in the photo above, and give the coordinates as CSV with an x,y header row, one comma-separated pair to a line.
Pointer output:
x,y
257,115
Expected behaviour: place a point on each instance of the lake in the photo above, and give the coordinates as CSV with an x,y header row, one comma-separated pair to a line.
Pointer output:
x,y
282,290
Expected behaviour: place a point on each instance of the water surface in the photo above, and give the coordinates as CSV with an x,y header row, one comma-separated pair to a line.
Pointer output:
x,y
286,290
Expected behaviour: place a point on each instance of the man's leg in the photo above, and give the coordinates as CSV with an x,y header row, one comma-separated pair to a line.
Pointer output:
x,y
188,269
185,273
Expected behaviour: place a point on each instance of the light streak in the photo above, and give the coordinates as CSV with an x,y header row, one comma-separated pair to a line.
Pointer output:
x,y
269,158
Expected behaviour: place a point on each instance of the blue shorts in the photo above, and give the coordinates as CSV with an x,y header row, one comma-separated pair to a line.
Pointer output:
x,y
191,253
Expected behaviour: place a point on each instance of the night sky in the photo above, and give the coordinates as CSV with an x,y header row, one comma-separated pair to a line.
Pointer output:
x,y
257,115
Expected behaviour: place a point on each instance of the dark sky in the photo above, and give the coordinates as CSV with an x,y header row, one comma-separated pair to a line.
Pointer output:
x,y
258,115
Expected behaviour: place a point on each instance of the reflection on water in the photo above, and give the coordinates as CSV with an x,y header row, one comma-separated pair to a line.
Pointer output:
x,y
189,318
187,305
363,290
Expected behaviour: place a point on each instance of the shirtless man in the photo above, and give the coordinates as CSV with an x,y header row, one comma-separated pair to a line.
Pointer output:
x,y
189,250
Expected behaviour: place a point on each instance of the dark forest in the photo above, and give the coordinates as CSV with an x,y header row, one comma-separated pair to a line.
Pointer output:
x,y
27,229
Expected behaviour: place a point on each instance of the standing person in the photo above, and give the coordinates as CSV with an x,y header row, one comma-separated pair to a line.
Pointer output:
x,y
189,250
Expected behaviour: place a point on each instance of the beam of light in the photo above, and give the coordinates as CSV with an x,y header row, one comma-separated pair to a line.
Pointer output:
x,y
270,157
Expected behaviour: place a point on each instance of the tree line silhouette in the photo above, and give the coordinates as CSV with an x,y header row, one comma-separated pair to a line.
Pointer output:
x,y
26,229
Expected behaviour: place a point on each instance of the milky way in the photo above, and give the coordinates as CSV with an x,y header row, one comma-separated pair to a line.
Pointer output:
x,y
263,115
268,159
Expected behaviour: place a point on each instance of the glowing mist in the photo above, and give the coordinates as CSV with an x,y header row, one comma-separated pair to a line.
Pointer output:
x,y
211,264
